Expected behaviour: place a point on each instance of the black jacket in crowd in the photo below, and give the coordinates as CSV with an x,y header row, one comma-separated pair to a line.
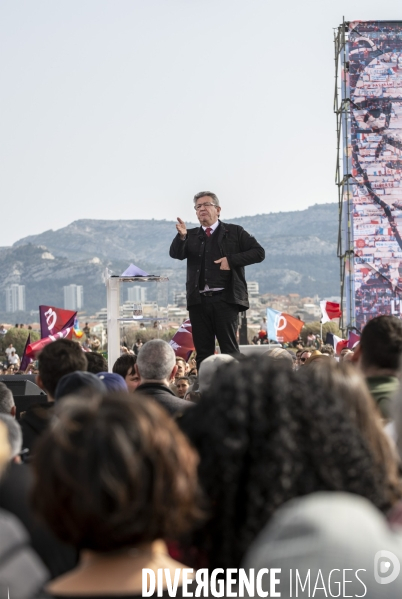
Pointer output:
x,y
15,489
239,247
165,398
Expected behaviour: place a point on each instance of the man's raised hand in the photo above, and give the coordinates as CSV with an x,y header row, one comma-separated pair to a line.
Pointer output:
x,y
181,228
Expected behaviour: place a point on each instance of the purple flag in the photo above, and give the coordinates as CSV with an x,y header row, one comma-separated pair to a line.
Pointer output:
x,y
134,271
53,320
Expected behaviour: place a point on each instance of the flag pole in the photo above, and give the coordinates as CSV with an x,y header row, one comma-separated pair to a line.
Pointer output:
x,y
321,329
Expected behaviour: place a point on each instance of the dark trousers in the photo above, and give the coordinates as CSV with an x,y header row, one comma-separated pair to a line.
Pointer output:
x,y
214,318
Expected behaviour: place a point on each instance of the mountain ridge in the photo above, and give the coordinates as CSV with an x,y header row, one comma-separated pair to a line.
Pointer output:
x,y
300,255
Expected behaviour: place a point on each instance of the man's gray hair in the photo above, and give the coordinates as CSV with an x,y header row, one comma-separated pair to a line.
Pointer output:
x,y
202,194
6,399
156,360
14,434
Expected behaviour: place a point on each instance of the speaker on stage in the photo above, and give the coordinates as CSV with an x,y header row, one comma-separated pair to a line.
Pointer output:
x,y
21,384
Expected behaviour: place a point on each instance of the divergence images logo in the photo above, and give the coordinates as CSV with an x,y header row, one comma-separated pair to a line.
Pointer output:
x,y
383,573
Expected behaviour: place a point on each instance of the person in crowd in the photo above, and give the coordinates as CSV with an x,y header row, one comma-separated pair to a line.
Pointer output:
x,y
208,369
133,486
378,356
329,539
96,362
156,367
297,362
7,403
348,383
192,365
55,360
346,355
181,367
310,339
266,434
327,350
84,384
15,490
14,436
22,573
125,366
315,358
137,346
3,330
318,342
182,386
95,343
279,353
304,356
87,331
8,351
112,381
14,359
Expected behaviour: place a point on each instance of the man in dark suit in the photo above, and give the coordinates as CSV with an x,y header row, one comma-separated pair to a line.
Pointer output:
x,y
156,367
216,255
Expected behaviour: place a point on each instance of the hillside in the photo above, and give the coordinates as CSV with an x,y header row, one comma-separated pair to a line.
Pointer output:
x,y
300,255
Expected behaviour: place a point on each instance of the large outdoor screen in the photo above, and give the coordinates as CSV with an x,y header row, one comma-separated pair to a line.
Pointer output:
x,y
374,159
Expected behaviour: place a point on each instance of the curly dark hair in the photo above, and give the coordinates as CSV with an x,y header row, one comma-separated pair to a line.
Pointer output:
x,y
113,472
265,435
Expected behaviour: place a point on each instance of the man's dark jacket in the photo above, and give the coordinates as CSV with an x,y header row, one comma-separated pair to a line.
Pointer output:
x,y
239,247
165,397
33,423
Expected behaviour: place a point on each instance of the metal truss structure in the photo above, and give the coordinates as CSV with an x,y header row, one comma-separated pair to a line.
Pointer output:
x,y
345,249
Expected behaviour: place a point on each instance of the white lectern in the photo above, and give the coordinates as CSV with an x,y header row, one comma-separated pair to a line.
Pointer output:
x,y
116,316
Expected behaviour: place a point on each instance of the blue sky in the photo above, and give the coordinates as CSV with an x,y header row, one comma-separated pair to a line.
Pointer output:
x,y
125,109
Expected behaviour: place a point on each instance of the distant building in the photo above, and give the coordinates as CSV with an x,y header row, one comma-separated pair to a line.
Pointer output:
x,y
253,289
101,316
180,299
137,294
15,298
73,297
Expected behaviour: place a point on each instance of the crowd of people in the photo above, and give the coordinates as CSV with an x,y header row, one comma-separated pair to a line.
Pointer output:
x,y
266,461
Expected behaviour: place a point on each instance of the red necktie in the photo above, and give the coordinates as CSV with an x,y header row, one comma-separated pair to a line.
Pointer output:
x,y
208,231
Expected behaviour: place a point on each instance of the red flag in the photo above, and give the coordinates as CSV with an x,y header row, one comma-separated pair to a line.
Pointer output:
x,y
330,310
36,347
283,327
182,340
53,320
